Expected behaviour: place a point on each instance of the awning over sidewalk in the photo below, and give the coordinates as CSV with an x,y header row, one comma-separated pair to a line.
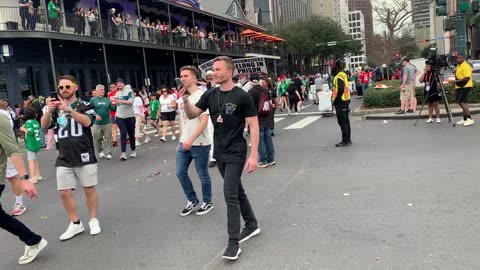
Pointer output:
x,y
257,35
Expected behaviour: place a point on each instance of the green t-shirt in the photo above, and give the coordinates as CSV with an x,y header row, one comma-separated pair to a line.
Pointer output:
x,y
52,10
154,105
102,108
32,137
283,87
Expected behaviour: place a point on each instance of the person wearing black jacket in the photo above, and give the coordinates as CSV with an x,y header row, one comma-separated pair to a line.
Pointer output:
x,y
341,102
266,151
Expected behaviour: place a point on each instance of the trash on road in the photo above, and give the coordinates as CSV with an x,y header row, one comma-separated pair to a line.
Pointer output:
x,y
43,217
386,121
346,194
409,204
164,161
156,173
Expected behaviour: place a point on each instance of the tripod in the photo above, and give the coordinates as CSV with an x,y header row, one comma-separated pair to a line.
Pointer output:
x,y
440,91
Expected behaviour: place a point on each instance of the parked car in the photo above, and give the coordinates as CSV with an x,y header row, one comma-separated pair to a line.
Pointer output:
x,y
476,65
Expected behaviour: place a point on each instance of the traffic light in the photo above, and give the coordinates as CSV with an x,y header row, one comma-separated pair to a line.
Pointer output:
x,y
449,24
441,7
475,6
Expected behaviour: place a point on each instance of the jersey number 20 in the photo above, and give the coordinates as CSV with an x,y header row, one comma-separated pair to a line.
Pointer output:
x,y
76,130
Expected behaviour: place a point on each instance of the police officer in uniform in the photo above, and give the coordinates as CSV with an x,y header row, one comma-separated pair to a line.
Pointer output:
x,y
341,102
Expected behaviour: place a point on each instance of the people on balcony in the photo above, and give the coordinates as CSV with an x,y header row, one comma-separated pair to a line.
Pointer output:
x,y
79,21
92,18
128,26
112,23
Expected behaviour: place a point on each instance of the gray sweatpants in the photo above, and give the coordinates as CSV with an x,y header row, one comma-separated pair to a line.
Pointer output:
x,y
102,138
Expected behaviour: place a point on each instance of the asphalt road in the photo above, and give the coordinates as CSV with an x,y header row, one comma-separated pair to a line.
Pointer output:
x,y
402,197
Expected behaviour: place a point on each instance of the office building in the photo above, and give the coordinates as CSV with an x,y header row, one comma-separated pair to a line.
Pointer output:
x,y
365,6
334,9
357,32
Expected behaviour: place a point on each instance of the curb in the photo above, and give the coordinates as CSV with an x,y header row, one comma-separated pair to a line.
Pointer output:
x,y
414,116
365,112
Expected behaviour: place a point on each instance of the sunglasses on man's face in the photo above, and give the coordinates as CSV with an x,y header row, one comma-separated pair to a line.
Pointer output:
x,y
68,86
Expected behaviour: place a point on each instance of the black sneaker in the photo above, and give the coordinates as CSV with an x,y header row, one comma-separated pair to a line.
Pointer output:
x,y
343,144
189,208
205,208
400,112
212,164
410,111
232,252
248,233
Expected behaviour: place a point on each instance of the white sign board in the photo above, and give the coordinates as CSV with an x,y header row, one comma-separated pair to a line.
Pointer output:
x,y
244,66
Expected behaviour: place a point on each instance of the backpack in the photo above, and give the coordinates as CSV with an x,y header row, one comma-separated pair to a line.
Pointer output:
x,y
264,104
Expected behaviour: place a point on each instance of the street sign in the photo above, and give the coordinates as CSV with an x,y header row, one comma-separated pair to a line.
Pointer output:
x,y
331,43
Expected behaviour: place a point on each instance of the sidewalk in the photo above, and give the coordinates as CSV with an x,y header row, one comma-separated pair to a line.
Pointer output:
x,y
389,113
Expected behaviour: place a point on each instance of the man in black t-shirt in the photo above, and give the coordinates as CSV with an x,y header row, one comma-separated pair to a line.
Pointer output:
x,y
76,161
229,108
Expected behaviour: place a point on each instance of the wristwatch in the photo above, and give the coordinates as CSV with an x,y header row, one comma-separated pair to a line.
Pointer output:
x,y
25,177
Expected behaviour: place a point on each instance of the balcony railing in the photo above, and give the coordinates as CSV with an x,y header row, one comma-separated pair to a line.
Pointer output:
x,y
34,19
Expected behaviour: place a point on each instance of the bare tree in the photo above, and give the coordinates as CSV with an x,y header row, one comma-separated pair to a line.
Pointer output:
x,y
395,14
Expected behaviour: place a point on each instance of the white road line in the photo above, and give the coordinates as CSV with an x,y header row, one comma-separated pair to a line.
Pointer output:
x,y
279,119
304,122
300,113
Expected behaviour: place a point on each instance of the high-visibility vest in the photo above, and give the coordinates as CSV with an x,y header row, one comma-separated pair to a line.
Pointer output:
x,y
346,92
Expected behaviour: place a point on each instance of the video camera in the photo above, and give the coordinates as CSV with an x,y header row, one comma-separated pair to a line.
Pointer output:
x,y
436,61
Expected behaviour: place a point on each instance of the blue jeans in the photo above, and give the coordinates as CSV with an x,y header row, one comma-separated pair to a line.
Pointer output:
x,y
266,151
183,160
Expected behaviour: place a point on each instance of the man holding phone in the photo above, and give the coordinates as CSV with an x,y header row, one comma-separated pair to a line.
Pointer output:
x,y
195,145
76,161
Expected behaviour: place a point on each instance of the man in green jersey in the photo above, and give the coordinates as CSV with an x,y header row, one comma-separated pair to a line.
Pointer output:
x,y
102,128
154,113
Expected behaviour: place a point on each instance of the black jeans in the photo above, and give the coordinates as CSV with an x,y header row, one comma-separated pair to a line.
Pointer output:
x,y
236,200
293,103
126,126
24,17
15,227
342,111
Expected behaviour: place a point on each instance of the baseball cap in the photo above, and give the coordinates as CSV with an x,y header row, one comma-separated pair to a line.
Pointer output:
x,y
120,80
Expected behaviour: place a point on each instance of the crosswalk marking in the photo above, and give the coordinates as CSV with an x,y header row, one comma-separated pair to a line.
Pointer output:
x,y
279,119
304,122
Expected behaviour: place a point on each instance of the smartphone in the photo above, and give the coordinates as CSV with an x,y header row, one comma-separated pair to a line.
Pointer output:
x,y
53,95
179,83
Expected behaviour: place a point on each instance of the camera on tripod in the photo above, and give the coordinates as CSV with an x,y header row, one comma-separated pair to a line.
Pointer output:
x,y
436,61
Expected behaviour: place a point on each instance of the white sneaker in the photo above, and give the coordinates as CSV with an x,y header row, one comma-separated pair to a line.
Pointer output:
x,y
147,140
163,139
430,120
109,156
31,252
156,135
174,138
137,143
94,226
461,122
439,120
73,229
133,154
469,122
123,157
101,155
